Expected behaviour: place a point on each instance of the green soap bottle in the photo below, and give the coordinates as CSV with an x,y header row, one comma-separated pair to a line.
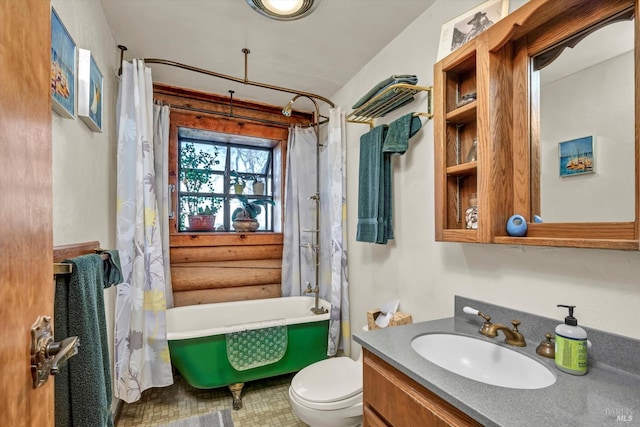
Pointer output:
x,y
571,345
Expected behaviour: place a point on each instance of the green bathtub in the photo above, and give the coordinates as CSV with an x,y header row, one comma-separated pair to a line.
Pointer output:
x,y
198,348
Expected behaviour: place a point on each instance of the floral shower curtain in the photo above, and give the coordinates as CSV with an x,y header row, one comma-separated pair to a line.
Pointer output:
x,y
141,350
334,282
298,266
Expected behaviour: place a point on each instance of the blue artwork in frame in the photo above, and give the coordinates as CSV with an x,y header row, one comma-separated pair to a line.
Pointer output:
x,y
89,90
576,156
63,69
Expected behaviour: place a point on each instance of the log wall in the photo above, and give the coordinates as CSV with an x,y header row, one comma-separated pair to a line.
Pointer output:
x,y
225,268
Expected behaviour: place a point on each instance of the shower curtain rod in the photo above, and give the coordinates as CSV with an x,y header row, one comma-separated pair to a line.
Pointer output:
x,y
227,77
231,115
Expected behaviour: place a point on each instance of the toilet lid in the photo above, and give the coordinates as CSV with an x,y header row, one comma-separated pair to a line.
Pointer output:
x,y
329,380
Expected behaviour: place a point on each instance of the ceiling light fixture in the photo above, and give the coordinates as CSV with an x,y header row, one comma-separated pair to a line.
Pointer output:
x,y
284,10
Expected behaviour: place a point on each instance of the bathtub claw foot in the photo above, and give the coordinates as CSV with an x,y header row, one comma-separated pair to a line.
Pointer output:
x,y
236,391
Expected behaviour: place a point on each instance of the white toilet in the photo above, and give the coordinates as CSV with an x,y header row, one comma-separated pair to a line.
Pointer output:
x,y
328,393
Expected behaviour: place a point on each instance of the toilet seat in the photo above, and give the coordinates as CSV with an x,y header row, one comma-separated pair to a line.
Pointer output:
x,y
327,385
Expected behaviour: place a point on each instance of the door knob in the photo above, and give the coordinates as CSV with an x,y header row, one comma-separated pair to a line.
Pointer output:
x,y
47,355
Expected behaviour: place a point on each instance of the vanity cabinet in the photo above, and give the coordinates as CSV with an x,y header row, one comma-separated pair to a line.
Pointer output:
x,y
501,66
393,399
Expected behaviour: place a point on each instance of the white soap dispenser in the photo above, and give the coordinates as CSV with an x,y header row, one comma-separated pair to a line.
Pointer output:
x,y
571,345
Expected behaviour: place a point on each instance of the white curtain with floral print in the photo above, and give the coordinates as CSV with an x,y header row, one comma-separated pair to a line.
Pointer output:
x,y
334,282
141,349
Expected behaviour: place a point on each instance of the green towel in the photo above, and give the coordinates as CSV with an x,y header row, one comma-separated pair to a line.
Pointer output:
x,y
397,138
410,79
112,268
370,190
83,385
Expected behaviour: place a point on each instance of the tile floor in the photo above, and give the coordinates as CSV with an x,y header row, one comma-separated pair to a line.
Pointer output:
x,y
266,404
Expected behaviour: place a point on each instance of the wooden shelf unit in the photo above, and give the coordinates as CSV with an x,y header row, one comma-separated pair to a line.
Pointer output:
x,y
496,65
456,128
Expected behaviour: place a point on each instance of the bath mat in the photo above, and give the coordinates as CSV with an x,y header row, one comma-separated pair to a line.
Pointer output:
x,y
247,349
214,419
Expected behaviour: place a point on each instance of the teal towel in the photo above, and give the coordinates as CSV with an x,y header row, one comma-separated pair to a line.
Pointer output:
x,y
370,188
394,79
83,385
112,268
397,138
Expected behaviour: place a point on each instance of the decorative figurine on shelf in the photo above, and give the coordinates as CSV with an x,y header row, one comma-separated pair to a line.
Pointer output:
x,y
471,214
517,226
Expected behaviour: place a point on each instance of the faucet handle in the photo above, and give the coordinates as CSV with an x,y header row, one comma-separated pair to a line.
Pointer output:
x,y
470,310
515,324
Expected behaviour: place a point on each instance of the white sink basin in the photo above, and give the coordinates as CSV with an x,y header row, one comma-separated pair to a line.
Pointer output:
x,y
483,361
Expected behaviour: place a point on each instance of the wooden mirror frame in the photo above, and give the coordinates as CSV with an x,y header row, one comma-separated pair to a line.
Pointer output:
x,y
536,27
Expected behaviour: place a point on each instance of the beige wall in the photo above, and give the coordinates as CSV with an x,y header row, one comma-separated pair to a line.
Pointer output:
x,y
84,162
425,275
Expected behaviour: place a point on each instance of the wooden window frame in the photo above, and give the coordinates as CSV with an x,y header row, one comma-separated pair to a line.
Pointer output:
x,y
189,108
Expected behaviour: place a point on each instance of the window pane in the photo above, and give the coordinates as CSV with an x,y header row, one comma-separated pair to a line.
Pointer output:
x,y
249,160
199,181
192,205
207,167
195,155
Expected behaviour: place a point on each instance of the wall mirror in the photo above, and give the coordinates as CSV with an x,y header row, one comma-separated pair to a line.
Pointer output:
x,y
581,118
586,128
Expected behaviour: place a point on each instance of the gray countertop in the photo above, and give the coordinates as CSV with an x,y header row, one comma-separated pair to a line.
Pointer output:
x,y
598,398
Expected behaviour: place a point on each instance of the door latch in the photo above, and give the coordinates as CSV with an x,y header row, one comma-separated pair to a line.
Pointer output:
x,y
47,356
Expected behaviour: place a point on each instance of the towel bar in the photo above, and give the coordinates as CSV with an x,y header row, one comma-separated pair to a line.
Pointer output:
x,y
64,268
370,111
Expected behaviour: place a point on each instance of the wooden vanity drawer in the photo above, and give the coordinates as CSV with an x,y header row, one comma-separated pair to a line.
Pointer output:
x,y
392,398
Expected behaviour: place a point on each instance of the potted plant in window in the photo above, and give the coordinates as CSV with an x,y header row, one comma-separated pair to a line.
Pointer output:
x,y
244,218
198,213
258,185
237,181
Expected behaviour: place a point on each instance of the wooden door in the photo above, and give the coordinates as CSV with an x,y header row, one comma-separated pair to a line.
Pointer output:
x,y
26,283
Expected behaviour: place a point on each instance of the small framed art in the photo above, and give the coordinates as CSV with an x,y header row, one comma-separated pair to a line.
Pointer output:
x,y
89,91
63,69
576,156
467,26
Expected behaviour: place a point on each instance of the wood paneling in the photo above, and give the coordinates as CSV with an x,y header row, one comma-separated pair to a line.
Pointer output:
x,y
226,294
214,275
26,270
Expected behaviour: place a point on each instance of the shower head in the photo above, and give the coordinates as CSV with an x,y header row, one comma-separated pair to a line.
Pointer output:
x,y
286,111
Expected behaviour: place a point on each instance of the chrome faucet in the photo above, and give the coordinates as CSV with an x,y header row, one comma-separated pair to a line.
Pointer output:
x,y
488,329
317,309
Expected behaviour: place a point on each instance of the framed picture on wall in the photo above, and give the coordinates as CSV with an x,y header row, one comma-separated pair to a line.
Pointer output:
x,y
63,69
467,26
89,91
576,156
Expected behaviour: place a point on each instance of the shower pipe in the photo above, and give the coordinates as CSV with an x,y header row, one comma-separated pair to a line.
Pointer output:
x,y
245,80
315,247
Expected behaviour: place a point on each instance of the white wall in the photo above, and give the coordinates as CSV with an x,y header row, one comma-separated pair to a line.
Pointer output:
x,y
84,162
597,101
425,275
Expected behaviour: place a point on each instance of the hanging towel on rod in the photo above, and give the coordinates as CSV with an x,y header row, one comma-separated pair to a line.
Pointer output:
x,y
375,189
371,187
83,386
400,130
